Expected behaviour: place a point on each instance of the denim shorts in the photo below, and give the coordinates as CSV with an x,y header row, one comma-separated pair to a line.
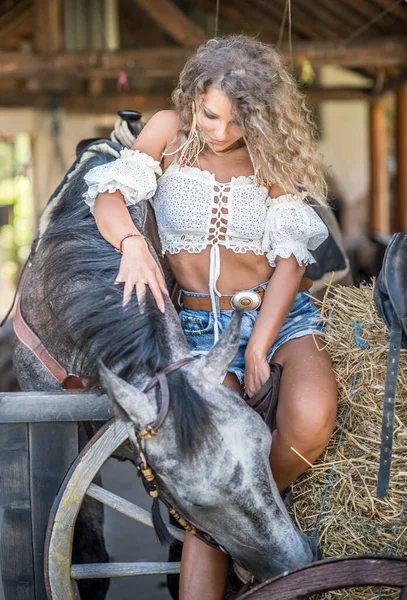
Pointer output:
x,y
198,325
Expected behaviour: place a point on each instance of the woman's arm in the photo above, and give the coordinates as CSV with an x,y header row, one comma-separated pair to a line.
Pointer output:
x,y
114,221
276,305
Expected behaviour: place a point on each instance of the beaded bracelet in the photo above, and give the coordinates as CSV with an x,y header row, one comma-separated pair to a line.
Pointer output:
x,y
125,238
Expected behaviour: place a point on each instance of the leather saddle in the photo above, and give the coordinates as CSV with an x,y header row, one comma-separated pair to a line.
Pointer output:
x,y
390,295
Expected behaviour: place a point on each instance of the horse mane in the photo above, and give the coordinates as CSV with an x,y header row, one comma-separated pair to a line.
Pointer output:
x,y
78,273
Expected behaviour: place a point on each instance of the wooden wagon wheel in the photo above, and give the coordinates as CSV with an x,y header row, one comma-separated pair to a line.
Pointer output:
x,y
334,574
60,574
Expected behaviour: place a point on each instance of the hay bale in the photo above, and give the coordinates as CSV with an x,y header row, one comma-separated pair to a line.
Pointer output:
x,y
353,520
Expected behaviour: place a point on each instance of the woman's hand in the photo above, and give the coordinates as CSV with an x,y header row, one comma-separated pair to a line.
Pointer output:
x,y
257,371
139,269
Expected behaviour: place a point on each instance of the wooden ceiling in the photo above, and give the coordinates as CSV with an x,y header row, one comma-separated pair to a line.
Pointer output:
x,y
62,46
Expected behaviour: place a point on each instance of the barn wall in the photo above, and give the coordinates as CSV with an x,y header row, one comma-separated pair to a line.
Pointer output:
x,y
47,169
345,147
49,165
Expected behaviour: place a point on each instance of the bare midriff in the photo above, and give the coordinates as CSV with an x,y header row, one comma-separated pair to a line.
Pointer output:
x,y
238,271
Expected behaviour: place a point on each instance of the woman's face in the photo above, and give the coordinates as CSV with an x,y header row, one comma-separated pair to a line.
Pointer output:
x,y
217,121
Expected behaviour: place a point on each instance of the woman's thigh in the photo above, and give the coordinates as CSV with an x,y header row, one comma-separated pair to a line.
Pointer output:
x,y
308,396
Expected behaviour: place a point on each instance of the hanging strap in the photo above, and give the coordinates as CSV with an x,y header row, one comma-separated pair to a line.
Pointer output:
x,y
389,408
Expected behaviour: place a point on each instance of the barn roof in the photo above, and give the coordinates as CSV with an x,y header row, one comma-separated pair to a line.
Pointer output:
x,y
79,48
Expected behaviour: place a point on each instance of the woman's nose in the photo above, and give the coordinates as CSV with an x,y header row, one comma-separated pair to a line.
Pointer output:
x,y
221,130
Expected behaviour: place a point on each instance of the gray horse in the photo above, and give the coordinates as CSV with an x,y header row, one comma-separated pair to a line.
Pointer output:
x,y
211,456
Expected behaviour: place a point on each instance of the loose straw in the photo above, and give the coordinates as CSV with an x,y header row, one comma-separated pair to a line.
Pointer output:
x,y
301,456
350,518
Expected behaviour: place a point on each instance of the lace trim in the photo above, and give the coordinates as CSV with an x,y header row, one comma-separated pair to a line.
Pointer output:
x,y
195,245
301,253
142,158
130,195
133,174
208,176
285,198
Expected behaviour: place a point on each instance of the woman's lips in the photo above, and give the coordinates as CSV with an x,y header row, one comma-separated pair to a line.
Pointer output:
x,y
216,141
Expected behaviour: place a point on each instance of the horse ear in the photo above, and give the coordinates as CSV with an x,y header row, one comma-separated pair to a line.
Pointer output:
x,y
213,365
134,402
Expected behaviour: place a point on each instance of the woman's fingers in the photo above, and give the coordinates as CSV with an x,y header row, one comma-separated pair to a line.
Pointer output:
x,y
141,295
156,284
127,291
156,291
161,283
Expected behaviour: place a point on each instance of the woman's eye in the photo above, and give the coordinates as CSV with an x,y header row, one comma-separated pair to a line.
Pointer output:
x,y
209,116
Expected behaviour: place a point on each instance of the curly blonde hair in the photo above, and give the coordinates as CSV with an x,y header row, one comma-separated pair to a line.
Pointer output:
x,y
278,124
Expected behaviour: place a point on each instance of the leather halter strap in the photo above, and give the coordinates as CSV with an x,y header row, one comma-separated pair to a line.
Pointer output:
x,y
160,378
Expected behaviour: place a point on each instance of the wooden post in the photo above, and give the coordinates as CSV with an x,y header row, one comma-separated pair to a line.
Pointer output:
x,y
47,26
16,557
401,145
111,24
379,178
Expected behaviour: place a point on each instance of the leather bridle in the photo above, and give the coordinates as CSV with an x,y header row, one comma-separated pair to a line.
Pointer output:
x,y
143,468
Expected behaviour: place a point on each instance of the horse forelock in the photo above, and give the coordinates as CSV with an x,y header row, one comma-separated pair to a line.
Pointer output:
x,y
193,416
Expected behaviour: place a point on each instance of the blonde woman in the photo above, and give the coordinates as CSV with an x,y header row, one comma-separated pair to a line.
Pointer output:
x,y
231,174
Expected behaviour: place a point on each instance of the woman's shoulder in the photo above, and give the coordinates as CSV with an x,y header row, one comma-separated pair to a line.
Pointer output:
x,y
158,132
168,122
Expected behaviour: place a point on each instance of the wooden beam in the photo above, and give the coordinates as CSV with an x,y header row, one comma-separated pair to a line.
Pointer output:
x,y
15,21
173,21
47,26
168,62
374,52
87,104
331,27
401,146
399,11
319,94
346,15
235,17
379,177
128,569
111,104
152,62
49,407
299,25
97,103
370,11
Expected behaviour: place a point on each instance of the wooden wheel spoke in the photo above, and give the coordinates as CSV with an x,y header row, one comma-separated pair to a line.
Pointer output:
x,y
128,508
60,574
100,570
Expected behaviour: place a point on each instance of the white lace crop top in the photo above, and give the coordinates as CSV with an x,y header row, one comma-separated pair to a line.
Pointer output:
x,y
193,210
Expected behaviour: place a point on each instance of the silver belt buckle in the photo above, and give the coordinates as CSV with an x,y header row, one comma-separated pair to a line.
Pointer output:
x,y
245,301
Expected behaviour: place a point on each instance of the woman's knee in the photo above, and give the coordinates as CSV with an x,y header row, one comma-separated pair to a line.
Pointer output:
x,y
310,429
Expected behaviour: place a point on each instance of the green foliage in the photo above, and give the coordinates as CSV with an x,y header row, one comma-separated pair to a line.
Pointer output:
x,y
16,193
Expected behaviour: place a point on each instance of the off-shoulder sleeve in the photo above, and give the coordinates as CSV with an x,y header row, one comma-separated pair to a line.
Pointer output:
x,y
292,227
134,174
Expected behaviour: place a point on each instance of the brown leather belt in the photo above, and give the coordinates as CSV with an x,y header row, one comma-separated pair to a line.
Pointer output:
x,y
204,302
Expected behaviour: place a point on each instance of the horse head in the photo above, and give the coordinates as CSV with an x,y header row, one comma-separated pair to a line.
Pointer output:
x,y
222,480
